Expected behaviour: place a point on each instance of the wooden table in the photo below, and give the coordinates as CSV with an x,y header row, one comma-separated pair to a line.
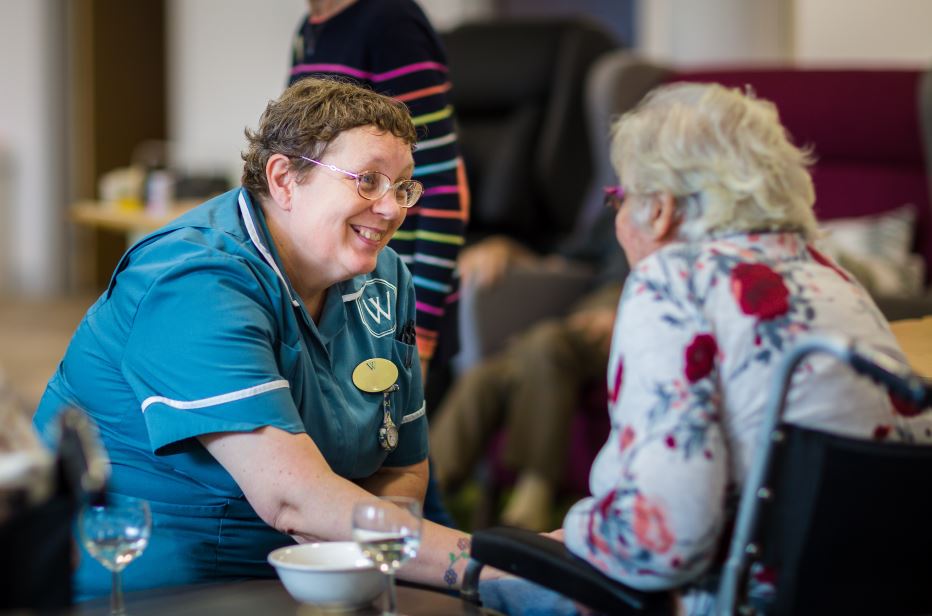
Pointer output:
x,y
130,221
265,597
108,230
915,338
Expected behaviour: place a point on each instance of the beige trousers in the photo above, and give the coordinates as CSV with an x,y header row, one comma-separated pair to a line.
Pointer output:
x,y
532,390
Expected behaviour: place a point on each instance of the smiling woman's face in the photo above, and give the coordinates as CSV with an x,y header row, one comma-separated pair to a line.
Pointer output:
x,y
334,232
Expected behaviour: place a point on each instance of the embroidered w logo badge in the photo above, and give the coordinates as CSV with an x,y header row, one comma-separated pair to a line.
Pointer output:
x,y
374,307
377,305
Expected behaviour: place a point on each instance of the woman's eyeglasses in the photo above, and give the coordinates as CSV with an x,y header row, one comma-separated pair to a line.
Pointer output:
x,y
373,185
613,197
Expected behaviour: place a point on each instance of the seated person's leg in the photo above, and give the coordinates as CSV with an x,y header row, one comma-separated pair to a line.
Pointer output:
x,y
461,428
554,361
514,596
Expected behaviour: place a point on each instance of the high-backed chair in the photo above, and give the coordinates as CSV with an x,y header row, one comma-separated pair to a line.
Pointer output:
x,y
837,519
518,95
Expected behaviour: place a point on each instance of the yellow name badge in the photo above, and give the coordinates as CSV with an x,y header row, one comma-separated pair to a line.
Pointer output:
x,y
375,375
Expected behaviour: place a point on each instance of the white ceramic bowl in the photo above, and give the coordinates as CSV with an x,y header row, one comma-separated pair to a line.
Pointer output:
x,y
332,574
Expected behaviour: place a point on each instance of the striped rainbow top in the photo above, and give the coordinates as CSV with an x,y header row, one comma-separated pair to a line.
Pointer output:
x,y
390,46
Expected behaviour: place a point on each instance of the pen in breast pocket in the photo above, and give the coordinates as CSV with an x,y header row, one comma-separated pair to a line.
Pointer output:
x,y
408,336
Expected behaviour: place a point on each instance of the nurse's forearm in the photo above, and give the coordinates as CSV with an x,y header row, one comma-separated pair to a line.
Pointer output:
x,y
288,482
441,559
398,481
292,488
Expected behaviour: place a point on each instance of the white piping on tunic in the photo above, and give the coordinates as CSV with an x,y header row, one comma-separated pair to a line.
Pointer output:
x,y
232,396
254,236
415,415
350,297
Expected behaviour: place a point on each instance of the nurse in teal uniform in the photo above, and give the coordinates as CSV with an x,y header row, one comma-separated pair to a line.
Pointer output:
x,y
252,366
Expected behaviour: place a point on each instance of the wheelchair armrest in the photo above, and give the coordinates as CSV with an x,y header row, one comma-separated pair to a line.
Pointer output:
x,y
547,562
488,317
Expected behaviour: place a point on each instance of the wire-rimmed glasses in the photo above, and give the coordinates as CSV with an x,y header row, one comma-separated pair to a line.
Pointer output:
x,y
114,534
373,185
613,197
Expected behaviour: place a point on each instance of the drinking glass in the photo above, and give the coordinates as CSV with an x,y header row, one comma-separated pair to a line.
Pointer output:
x,y
388,531
114,534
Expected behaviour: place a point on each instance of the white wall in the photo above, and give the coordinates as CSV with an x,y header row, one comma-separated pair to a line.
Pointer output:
x,y
863,32
705,32
447,14
228,58
32,173
807,32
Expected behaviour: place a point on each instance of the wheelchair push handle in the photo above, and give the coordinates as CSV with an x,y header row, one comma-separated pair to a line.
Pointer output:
x,y
897,377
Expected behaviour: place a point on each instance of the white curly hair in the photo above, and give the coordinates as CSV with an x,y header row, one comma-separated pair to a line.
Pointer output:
x,y
722,154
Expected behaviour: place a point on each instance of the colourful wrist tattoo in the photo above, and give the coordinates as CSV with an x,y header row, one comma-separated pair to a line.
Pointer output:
x,y
450,576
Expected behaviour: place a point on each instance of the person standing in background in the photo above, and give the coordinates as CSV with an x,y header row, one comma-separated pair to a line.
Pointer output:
x,y
391,47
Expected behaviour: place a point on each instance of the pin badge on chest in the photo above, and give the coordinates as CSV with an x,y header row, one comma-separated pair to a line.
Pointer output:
x,y
378,375
375,375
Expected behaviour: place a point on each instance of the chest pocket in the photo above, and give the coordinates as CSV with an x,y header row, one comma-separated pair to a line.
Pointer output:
x,y
409,377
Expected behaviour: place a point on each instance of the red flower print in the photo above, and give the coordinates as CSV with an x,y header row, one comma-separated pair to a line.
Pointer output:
x,y
627,437
881,432
824,261
650,526
700,357
903,407
601,510
759,291
765,575
670,441
616,389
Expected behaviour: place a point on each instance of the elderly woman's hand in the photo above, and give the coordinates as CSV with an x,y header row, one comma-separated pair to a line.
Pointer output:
x,y
486,262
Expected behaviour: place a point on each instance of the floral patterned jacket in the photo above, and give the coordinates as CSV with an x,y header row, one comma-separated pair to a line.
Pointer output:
x,y
700,330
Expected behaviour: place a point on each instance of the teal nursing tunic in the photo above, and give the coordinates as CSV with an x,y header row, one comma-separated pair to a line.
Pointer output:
x,y
200,331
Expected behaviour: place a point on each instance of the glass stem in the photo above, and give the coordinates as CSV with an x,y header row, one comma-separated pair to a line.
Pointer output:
x,y
116,595
392,601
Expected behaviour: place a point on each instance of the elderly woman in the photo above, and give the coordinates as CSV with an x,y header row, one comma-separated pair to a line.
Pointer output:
x,y
714,213
252,365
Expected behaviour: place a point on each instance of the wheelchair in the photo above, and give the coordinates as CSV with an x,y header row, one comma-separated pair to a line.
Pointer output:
x,y
839,519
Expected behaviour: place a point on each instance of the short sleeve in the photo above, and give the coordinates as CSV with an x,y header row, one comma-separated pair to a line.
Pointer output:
x,y
201,354
658,485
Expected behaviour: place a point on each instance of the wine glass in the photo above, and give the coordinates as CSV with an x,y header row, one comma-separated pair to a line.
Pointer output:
x,y
114,534
388,531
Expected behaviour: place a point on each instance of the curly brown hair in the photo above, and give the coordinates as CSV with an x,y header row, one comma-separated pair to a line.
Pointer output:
x,y
308,116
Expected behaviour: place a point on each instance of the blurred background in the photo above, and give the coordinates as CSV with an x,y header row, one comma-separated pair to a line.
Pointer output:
x,y
92,86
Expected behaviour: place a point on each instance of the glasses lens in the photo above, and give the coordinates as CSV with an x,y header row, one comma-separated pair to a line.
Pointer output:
x,y
614,196
408,192
372,184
